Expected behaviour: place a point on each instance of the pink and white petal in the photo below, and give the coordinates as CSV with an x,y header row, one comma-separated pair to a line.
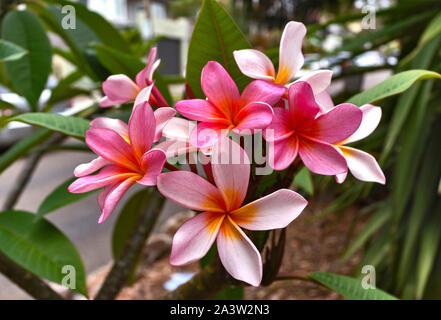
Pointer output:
x,y
195,237
319,80
231,171
103,194
370,121
255,64
280,128
108,175
238,254
114,195
112,147
162,116
116,125
191,191
255,115
142,126
219,88
207,134
302,105
120,88
290,56
282,153
85,169
178,129
174,148
363,166
261,91
321,158
105,102
334,126
341,177
200,110
146,74
152,163
143,96
325,101
273,211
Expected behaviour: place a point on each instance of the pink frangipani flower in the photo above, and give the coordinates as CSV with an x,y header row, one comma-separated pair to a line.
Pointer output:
x,y
125,155
257,65
225,109
119,88
302,129
361,164
223,215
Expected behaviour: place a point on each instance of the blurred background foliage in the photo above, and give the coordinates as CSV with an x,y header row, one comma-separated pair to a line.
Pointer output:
x,y
402,237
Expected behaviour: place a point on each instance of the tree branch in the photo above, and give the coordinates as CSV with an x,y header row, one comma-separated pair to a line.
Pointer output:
x,y
120,272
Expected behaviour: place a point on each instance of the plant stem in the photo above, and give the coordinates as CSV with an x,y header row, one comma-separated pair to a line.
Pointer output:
x,y
124,264
26,280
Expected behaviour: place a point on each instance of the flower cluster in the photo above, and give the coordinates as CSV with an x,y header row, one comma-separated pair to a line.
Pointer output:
x,y
297,118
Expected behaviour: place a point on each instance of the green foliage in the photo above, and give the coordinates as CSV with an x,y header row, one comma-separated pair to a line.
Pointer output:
x,y
10,51
304,180
214,38
72,126
59,198
349,288
28,74
39,247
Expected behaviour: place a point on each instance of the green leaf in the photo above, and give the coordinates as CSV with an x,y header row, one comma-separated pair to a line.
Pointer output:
x,y
230,293
118,62
68,125
392,86
10,51
39,247
58,198
28,74
304,180
215,37
22,147
349,288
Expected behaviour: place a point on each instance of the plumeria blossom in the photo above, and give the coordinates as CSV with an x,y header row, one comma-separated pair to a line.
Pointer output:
x,y
362,165
257,65
225,109
119,88
125,155
303,130
223,215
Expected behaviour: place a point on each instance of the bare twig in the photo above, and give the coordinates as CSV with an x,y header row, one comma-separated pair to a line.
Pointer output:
x,y
133,247
30,283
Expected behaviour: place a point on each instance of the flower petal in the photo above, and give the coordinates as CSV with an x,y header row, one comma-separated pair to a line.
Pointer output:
x,y
219,88
206,134
194,238
146,74
336,125
302,105
238,254
321,158
113,196
325,101
119,89
231,171
341,177
162,116
280,128
105,102
255,115
200,110
178,129
370,121
85,169
319,80
261,91
142,126
143,96
191,191
116,125
106,176
283,153
254,64
290,56
363,166
174,148
112,147
152,163
273,211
